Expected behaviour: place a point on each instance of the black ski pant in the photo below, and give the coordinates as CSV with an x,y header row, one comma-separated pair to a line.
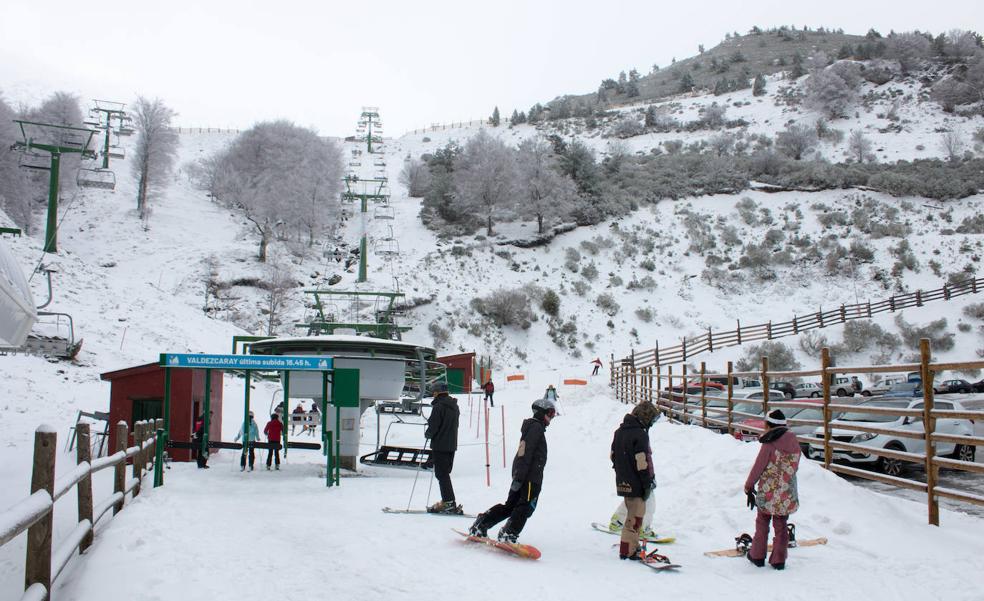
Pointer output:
x,y
443,464
252,457
202,455
488,397
519,506
273,452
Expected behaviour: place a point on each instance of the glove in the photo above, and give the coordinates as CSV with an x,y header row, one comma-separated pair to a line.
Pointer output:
x,y
750,499
516,484
647,490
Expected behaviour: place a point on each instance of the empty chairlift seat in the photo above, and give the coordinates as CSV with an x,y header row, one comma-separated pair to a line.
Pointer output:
x,y
384,212
96,178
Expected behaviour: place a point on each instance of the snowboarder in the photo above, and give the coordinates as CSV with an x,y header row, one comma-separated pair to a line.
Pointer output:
x,y
527,477
442,431
597,366
489,389
254,436
775,473
273,430
551,393
632,460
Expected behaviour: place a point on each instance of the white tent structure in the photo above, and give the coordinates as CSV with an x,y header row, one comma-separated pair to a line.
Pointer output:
x,y
17,312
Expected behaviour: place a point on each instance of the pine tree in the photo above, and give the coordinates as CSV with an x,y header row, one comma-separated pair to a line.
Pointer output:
x,y
686,83
798,69
758,88
494,120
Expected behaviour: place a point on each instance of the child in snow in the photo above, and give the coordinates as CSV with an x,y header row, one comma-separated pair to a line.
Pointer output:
x,y
254,436
442,431
527,474
632,460
777,497
273,430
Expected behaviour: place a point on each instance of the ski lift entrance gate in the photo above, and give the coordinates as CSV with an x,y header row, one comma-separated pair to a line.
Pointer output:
x,y
344,393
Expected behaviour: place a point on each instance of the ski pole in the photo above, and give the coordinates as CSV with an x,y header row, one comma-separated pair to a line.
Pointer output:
x,y
417,474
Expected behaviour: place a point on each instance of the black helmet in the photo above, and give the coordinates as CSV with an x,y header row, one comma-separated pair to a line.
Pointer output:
x,y
439,387
544,406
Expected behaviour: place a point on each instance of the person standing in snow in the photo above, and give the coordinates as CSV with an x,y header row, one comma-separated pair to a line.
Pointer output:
x,y
551,393
777,497
632,460
442,431
274,431
198,437
597,366
489,389
527,478
254,436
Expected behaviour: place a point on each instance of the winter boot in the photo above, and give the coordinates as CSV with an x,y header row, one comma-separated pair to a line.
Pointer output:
x,y
758,563
507,536
615,525
638,555
648,533
478,528
779,566
446,507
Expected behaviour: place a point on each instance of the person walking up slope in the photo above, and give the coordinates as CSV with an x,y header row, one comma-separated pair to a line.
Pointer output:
x,y
489,389
273,430
777,497
527,475
632,460
442,431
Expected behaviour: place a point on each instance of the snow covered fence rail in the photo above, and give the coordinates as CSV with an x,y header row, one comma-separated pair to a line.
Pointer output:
x,y
690,347
445,126
34,514
204,130
910,436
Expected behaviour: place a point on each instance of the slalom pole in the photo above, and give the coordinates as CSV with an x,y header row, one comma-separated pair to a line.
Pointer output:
x,y
469,412
488,473
503,435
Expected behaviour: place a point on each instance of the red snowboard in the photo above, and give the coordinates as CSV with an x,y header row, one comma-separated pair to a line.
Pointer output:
x,y
517,549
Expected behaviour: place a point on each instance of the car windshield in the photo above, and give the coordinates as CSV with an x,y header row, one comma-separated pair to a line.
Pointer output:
x,y
853,416
909,387
751,408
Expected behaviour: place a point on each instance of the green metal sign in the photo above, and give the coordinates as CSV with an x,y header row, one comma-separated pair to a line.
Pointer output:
x,y
254,362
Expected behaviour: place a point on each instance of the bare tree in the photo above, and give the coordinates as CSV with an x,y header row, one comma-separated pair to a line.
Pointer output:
x,y
485,179
952,144
279,283
859,146
959,43
547,194
415,175
282,177
157,147
60,108
796,140
16,191
908,48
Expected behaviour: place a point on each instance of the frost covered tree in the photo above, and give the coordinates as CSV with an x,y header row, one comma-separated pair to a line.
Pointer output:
x,y
859,146
827,92
416,177
796,140
155,152
758,88
958,43
485,179
282,177
16,191
544,193
495,119
952,144
60,108
908,48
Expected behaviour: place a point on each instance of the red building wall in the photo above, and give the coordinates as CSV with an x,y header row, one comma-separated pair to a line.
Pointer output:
x,y
464,362
146,383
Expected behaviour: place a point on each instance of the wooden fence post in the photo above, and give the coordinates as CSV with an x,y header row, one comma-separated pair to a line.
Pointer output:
x,y
765,387
820,317
683,388
739,331
825,377
869,309
919,302
38,566
83,453
703,394
843,313
669,391
929,427
768,330
731,429
137,472
119,482
795,328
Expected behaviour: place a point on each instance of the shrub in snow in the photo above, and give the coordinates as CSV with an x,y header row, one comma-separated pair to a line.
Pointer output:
x,y
440,334
747,210
781,357
974,311
862,335
581,287
906,258
828,93
590,271
505,308
908,48
607,304
812,342
971,225
627,127
550,303
648,264
935,331
645,314
964,327
416,176
572,260
796,141
861,252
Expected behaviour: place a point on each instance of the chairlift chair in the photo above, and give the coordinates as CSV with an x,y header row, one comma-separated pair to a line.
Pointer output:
x,y
96,178
34,160
355,164
387,247
117,152
124,130
384,212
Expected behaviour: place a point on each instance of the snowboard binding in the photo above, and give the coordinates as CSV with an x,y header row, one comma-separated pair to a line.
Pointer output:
x,y
652,556
743,543
791,531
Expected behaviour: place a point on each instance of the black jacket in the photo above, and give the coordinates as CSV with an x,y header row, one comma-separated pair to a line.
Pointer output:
x,y
632,458
442,425
531,457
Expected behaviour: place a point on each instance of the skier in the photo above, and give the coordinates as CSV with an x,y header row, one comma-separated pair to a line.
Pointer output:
x,y
777,497
442,431
597,366
254,436
527,475
199,439
273,430
489,389
632,460
551,393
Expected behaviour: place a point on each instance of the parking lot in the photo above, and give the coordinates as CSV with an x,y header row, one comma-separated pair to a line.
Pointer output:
x,y
956,479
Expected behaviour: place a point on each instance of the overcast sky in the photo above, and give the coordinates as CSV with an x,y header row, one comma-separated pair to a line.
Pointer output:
x,y
230,63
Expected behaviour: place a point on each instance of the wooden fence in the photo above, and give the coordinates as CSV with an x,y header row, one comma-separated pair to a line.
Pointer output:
x,y
635,384
35,513
204,130
452,125
711,341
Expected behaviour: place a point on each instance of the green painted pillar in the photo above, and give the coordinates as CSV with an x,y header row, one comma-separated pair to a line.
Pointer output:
x,y
246,428
51,229
324,426
106,146
207,412
363,245
164,434
283,417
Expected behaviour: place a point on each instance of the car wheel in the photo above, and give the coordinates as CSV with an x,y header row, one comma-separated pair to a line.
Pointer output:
x,y
788,395
965,452
815,395
890,466
865,393
841,392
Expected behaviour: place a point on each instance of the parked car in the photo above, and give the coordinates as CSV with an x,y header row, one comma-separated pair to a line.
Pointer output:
x,y
845,386
808,389
787,388
978,386
902,390
736,382
880,387
953,387
894,467
744,429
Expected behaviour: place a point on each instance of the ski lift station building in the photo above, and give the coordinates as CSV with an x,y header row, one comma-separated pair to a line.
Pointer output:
x,y
137,393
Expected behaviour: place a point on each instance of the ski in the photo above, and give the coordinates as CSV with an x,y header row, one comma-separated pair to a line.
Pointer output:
x,y
742,542
424,511
660,540
517,549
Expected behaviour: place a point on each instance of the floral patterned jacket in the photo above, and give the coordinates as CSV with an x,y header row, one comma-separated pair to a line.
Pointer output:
x,y
775,473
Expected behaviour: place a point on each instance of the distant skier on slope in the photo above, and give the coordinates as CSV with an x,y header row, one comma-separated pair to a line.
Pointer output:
x,y
632,460
489,389
597,366
527,475
551,393
442,431
777,496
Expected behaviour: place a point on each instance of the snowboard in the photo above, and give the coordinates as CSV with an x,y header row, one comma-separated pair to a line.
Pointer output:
x,y
655,561
734,552
661,540
517,549
424,511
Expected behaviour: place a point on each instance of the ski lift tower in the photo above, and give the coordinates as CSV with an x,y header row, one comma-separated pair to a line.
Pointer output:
x,y
108,110
55,140
362,183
